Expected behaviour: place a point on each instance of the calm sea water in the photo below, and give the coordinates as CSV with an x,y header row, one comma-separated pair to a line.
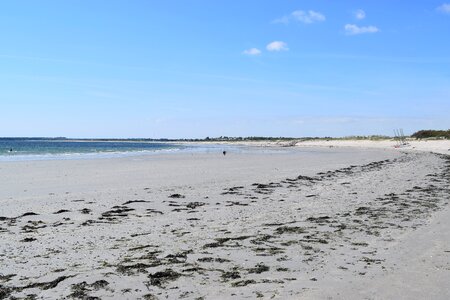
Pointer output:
x,y
30,149
12,149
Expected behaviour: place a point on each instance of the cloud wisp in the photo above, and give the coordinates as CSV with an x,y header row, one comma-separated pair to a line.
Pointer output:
x,y
252,52
277,46
360,14
306,17
444,8
352,29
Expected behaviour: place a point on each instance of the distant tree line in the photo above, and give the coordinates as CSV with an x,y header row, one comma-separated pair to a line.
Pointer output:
x,y
207,139
249,138
425,134
422,134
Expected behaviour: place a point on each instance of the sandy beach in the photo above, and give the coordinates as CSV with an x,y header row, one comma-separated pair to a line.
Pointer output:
x,y
309,222
435,146
209,150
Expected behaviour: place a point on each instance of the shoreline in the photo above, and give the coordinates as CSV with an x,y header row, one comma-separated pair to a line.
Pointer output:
x,y
435,146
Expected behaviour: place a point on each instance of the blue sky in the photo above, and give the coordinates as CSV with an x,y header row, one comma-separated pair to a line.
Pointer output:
x,y
223,68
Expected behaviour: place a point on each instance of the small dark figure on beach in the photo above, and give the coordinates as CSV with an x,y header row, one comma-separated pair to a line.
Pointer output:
x,y
224,153
10,150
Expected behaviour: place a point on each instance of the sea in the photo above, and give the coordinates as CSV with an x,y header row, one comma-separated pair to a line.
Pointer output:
x,y
19,149
24,149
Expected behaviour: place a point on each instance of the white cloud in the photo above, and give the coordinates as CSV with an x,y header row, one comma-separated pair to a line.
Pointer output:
x,y
306,17
252,51
277,46
360,14
352,29
444,8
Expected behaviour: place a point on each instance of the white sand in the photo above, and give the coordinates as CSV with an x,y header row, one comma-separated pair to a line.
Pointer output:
x,y
360,232
436,146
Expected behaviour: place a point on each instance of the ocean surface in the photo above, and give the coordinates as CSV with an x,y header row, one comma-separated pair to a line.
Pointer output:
x,y
24,149
42,149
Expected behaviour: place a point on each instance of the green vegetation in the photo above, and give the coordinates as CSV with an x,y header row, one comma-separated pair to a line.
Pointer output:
x,y
426,134
365,137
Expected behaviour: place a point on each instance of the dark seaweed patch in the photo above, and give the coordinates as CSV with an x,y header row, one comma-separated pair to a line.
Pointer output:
x,y
177,196
160,279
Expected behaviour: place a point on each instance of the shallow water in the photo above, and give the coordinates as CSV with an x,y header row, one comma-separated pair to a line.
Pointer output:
x,y
26,149
37,149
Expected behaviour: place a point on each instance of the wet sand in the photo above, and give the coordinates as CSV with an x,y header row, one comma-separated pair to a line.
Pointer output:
x,y
302,224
